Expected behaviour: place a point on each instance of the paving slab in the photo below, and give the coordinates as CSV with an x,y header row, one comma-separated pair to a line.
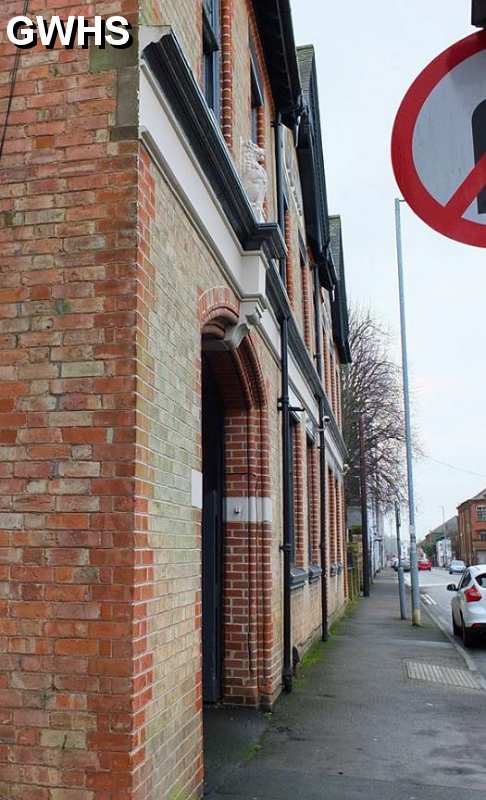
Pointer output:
x,y
358,725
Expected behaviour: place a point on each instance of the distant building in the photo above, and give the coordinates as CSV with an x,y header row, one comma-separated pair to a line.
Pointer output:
x,y
447,532
443,550
472,529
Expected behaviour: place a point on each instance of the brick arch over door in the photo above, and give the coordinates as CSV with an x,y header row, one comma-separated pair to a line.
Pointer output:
x,y
247,573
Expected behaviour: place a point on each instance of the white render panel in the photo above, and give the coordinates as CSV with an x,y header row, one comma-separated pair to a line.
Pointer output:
x,y
196,488
248,509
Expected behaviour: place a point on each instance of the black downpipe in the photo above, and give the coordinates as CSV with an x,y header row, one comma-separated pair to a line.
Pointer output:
x,y
288,521
322,455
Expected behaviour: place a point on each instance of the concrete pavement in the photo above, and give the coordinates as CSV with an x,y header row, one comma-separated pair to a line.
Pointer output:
x,y
356,725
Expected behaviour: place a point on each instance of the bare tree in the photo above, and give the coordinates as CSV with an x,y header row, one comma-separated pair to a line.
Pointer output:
x,y
372,386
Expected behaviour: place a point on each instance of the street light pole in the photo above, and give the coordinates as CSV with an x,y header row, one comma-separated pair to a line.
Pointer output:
x,y
364,507
408,427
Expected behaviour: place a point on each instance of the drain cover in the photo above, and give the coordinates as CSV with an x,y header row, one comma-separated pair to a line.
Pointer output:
x,y
445,675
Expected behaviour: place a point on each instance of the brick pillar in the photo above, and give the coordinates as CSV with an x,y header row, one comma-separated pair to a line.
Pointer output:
x,y
299,494
307,310
289,267
327,369
332,515
314,504
227,65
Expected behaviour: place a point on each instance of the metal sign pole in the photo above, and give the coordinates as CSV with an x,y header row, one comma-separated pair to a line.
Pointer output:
x,y
408,427
401,581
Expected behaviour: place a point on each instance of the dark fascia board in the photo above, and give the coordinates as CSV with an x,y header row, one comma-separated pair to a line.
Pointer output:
x,y
274,21
281,306
174,75
339,303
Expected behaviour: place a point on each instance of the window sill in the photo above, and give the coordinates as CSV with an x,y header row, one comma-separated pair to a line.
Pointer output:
x,y
298,578
315,573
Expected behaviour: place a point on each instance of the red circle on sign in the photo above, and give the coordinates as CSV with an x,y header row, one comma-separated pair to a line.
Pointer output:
x,y
447,219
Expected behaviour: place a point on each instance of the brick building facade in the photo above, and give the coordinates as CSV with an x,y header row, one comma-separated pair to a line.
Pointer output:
x,y
172,327
472,530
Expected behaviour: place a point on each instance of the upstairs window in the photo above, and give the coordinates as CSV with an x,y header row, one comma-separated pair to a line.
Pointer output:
x,y
481,513
211,52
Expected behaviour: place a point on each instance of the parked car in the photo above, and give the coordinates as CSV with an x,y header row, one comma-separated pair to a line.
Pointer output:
x,y
456,567
424,564
405,565
469,604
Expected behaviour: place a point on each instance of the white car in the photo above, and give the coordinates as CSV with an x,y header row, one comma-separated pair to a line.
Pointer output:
x,y
469,604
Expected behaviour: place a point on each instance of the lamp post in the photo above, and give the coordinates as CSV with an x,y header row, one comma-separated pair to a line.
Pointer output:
x,y
364,506
408,428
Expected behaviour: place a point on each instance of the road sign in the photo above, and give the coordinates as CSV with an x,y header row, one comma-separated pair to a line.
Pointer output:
x,y
439,142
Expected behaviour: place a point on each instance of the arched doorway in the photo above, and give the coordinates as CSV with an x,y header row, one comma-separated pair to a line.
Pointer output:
x,y
237,634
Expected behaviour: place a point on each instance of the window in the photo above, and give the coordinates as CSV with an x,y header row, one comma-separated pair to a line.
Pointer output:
x,y
211,46
481,513
482,536
256,94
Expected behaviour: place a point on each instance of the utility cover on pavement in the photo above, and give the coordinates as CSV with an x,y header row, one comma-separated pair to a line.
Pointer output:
x,y
450,676
439,142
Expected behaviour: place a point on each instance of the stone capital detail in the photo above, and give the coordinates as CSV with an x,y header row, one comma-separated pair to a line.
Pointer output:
x,y
251,312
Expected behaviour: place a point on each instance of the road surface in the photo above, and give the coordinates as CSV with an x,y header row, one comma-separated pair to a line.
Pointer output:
x,y
436,599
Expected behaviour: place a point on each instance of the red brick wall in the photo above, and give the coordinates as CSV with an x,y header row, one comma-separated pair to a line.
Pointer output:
x,y
67,361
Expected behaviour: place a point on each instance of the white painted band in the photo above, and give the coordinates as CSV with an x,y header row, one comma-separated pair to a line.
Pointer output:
x,y
248,509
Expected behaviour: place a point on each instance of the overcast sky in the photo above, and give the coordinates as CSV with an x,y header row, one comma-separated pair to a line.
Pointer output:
x,y
368,54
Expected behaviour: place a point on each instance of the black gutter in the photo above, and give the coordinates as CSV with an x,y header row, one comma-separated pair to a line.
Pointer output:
x,y
323,417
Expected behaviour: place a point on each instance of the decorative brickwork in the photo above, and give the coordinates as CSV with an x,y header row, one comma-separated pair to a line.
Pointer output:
x,y
307,306
314,502
227,61
289,264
